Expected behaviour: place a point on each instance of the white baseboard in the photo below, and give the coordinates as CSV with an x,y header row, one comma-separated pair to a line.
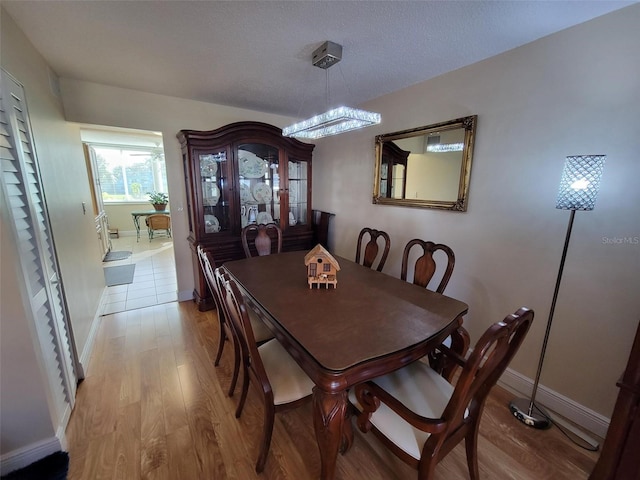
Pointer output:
x,y
85,356
60,433
586,418
24,456
185,296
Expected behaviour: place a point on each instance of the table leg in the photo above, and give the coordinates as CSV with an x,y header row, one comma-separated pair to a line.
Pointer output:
x,y
329,411
136,223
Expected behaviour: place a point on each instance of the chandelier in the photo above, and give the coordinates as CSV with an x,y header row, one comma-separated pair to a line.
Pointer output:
x,y
337,120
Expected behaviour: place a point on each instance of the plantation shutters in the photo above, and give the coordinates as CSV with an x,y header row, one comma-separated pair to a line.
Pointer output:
x,y
28,217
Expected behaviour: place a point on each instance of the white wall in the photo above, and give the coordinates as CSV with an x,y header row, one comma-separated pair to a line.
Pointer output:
x,y
65,180
575,92
24,412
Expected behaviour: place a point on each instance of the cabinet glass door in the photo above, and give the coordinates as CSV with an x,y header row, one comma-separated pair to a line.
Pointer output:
x,y
298,171
214,183
259,183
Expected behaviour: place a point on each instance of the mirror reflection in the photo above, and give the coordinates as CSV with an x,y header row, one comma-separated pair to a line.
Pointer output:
x,y
426,167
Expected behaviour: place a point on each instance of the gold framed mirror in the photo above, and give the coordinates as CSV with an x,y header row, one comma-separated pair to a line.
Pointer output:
x,y
426,167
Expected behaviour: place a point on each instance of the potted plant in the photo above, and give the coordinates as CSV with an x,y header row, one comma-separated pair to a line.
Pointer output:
x,y
158,200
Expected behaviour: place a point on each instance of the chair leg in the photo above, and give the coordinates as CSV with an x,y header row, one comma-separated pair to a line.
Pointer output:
x,y
236,367
221,340
426,467
471,446
245,389
267,431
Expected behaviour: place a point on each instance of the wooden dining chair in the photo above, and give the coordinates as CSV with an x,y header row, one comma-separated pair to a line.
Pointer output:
x,y
227,329
372,248
425,266
208,265
263,237
424,270
421,417
282,383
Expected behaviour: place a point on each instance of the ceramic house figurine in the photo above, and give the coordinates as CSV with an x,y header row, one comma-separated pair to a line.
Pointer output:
x,y
322,268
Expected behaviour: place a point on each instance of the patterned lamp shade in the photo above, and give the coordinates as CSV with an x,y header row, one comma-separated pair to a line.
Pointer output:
x,y
580,182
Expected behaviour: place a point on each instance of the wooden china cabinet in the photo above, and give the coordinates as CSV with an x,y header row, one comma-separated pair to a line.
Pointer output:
x,y
393,174
243,173
620,458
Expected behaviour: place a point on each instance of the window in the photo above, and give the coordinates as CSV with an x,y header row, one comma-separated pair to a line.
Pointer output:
x,y
326,267
128,173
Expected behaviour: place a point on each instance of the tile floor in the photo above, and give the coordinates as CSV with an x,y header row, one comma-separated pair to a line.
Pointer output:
x,y
154,280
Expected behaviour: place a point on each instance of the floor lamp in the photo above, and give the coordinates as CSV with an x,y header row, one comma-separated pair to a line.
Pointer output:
x,y
578,190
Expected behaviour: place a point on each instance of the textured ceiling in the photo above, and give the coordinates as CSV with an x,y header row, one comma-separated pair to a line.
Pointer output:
x,y
257,54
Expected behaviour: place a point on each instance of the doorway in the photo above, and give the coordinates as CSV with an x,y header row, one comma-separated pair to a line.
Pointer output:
x,y
124,167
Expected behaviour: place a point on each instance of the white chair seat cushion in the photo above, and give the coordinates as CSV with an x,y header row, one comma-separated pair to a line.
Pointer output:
x,y
288,380
260,331
421,390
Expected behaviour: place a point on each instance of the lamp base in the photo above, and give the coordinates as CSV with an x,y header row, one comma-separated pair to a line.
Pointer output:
x,y
537,418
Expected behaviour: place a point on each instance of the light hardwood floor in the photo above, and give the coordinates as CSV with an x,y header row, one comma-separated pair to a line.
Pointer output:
x,y
153,406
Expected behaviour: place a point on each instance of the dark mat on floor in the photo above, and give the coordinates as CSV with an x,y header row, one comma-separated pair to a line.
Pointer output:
x,y
116,255
52,467
120,275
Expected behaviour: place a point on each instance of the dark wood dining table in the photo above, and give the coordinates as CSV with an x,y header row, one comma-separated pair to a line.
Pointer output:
x,y
370,325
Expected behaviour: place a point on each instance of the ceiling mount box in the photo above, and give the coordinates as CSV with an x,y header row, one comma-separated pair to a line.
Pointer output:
x,y
327,54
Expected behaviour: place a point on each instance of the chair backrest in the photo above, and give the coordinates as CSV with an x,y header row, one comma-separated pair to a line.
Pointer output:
x,y
239,317
371,248
262,237
425,265
487,362
202,258
320,227
221,277
208,265
159,221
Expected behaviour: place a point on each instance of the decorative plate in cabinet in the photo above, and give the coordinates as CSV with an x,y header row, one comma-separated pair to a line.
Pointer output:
x,y
262,193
